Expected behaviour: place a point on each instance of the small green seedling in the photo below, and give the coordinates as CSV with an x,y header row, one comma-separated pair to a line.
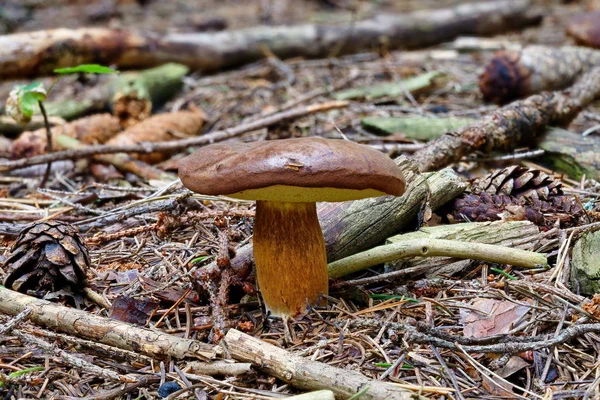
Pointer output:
x,y
23,99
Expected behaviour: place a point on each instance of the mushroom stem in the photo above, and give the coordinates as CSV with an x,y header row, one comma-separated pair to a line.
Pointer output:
x,y
289,251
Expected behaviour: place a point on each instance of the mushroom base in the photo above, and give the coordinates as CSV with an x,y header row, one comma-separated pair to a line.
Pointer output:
x,y
289,251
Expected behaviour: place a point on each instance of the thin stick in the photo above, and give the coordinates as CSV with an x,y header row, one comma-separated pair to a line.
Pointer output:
x,y
49,140
435,248
175,144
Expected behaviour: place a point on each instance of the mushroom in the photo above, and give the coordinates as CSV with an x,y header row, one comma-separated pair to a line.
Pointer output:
x,y
286,178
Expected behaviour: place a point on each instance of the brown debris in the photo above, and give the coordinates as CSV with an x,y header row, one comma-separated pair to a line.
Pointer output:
x,y
89,130
516,74
585,28
161,128
515,193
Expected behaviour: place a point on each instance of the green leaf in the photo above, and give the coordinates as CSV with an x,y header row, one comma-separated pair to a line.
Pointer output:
x,y
390,89
31,86
29,101
377,296
418,128
504,273
87,69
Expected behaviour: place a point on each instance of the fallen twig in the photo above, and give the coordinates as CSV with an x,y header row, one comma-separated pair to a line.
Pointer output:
x,y
104,330
41,52
433,248
511,125
308,374
176,144
505,344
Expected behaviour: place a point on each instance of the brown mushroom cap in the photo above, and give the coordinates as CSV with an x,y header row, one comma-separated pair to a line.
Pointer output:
x,y
294,170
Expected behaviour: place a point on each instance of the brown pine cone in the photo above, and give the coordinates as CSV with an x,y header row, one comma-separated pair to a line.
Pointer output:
x,y
48,256
519,182
515,193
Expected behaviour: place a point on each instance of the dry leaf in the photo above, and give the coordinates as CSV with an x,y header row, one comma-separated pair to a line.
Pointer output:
x,y
89,130
161,128
492,318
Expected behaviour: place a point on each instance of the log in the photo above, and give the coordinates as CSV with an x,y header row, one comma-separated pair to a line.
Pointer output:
x,y
310,375
37,53
514,124
515,74
153,343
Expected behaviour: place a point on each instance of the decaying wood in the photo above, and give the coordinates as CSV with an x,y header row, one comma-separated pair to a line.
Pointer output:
x,y
35,53
513,124
516,234
90,130
351,227
306,374
136,93
572,153
516,74
173,145
161,128
108,331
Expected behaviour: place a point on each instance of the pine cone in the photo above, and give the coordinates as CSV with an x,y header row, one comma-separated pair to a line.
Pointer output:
x,y
47,257
515,193
518,182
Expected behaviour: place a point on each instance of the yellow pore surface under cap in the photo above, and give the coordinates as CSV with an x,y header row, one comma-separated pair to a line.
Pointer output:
x,y
296,194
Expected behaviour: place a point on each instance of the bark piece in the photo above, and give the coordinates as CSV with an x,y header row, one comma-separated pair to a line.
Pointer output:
x,y
513,124
90,130
137,92
571,153
516,74
585,268
161,128
125,336
310,375
585,28
35,53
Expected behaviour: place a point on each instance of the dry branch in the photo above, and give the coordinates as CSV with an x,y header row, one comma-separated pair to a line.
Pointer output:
x,y
35,53
435,248
104,330
173,145
306,374
515,74
512,125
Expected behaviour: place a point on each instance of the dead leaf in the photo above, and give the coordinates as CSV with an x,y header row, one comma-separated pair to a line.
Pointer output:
x,y
492,317
134,311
